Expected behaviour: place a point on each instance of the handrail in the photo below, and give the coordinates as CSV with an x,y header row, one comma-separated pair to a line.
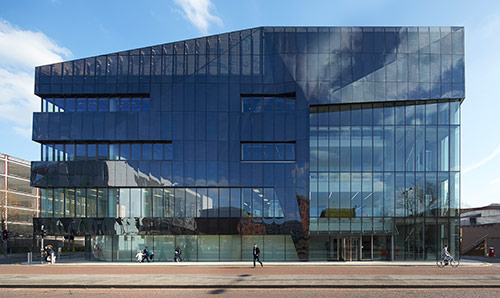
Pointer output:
x,y
475,244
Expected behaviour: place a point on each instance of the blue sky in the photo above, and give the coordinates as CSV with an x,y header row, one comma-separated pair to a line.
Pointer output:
x,y
39,32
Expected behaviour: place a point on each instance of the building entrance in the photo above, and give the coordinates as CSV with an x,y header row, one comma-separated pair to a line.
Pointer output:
x,y
350,247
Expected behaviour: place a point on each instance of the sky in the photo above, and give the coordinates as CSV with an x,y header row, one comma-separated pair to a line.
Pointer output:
x,y
37,32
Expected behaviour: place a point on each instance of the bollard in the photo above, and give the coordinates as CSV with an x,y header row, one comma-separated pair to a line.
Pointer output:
x,y
30,258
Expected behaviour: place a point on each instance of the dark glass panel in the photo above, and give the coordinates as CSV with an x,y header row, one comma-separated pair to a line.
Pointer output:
x,y
431,113
81,151
103,104
246,151
135,104
92,151
290,105
268,104
443,113
124,151
431,148
290,151
246,104
257,104
136,152
279,151
246,202
147,151
455,112
81,104
124,104
356,115
367,115
59,104
389,114
59,152
114,104
92,105
168,151
345,115
279,104
356,148
102,151
114,152
157,151
70,151
213,202
146,104
257,151
268,151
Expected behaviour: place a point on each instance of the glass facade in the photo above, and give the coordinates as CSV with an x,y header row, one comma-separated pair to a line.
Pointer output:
x,y
329,143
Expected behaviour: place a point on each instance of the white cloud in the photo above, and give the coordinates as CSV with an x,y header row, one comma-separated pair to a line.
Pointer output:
x,y
483,161
198,13
20,51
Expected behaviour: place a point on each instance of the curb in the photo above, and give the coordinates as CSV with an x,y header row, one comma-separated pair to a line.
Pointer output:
x,y
368,286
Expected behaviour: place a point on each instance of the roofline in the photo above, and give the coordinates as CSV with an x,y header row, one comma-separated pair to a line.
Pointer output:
x,y
253,28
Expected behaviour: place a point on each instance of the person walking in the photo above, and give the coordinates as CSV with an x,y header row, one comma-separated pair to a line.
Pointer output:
x,y
256,255
177,254
50,256
145,254
139,256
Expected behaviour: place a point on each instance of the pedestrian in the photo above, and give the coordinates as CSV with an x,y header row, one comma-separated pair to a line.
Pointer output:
x,y
139,256
46,254
256,255
145,254
50,257
177,254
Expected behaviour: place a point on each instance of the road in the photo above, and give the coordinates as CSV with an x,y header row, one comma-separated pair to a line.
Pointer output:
x,y
288,293
241,280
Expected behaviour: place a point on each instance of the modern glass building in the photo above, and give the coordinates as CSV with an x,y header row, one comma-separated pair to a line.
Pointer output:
x,y
329,143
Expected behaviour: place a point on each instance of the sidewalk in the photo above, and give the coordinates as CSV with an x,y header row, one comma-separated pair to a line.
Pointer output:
x,y
245,281
463,263
373,274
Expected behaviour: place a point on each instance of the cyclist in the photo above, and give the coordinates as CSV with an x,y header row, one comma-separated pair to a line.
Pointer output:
x,y
446,255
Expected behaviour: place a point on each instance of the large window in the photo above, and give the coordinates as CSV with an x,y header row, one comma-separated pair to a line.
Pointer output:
x,y
258,103
113,103
382,168
267,151
107,151
161,202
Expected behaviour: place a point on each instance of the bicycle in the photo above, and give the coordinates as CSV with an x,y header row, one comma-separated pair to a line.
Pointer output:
x,y
451,261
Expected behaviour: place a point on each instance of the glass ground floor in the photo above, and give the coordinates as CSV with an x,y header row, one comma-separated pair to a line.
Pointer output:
x,y
275,248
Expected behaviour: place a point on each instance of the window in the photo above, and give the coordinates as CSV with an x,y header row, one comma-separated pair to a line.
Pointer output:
x,y
162,202
107,151
101,104
258,103
268,151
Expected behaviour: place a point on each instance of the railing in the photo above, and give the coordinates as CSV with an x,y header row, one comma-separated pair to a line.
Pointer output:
x,y
475,244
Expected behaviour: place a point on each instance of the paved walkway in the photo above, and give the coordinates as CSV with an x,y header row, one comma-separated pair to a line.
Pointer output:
x,y
463,263
246,281
470,274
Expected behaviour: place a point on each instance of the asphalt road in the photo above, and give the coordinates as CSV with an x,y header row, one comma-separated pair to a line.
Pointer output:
x,y
288,293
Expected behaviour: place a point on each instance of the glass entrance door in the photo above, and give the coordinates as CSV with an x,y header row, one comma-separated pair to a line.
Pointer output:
x,y
366,247
350,249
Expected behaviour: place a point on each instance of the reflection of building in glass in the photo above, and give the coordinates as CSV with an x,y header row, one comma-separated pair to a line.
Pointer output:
x,y
19,202
331,143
